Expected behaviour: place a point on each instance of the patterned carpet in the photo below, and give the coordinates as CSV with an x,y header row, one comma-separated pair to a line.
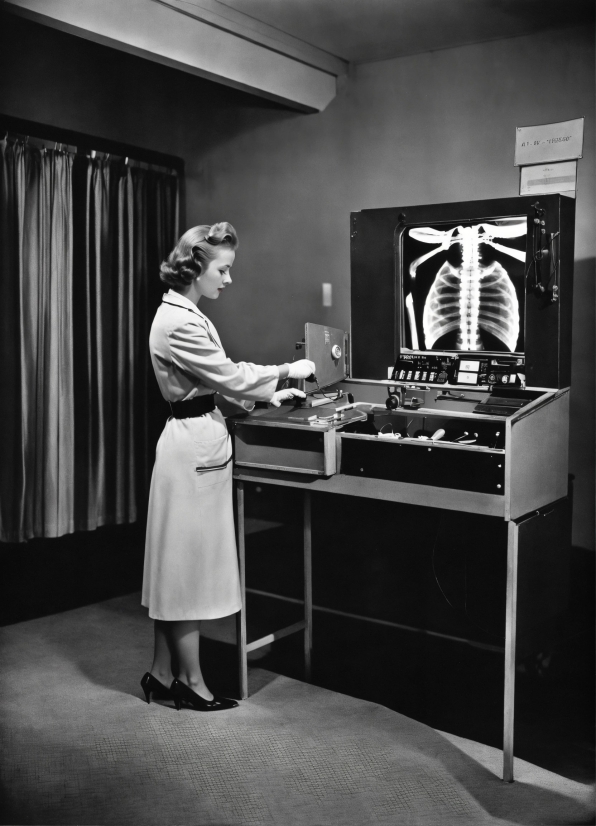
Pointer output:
x,y
80,746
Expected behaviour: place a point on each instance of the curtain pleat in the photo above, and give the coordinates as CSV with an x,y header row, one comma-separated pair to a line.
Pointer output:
x,y
140,264
59,470
125,465
100,320
81,240
12,480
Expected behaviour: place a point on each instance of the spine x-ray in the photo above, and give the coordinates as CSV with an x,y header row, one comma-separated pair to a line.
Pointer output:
x,y
467,292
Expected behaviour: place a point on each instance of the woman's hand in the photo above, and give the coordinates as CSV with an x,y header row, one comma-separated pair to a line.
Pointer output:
x,y
283,395
301,369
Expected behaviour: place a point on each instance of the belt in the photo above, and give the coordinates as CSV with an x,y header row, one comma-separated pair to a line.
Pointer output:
x,y
193,407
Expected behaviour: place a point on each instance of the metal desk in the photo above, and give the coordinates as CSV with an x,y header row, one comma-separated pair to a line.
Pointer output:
x,y
536,535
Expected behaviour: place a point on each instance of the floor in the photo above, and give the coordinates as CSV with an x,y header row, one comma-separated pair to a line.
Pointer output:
x,y
80,745
408,622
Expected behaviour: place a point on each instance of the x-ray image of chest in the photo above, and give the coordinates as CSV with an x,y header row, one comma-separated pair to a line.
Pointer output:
x,y
463,285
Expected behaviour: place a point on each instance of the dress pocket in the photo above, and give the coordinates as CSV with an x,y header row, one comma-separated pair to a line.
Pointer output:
x,y
213,461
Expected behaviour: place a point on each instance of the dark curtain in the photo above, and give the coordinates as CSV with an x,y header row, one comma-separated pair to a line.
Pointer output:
x,y
36,403
81,242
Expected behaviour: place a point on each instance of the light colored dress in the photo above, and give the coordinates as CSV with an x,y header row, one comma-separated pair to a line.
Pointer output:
x,y
191,567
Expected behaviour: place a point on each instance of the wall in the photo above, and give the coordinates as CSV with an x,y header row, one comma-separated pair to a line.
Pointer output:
x,y
71,83
428,128
424,129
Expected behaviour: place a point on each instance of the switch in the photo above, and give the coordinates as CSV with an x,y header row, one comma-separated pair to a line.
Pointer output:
x,y
327,297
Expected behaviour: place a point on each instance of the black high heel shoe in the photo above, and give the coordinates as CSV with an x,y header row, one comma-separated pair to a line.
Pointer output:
x,y
151,685
183,694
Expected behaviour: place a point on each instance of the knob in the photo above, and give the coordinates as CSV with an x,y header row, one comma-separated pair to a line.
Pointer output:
x,y
336,351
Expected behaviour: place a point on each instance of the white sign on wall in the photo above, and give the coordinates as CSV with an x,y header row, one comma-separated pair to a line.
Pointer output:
x,y
549,142
543,179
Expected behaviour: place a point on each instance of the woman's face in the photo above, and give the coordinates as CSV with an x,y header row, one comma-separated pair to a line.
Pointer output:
x,y
216,276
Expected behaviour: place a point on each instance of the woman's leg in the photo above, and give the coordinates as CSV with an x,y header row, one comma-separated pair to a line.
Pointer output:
x,y
163,653
185,641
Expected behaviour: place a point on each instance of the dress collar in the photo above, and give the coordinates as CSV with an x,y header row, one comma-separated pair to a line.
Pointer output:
x,y
178,300
173,297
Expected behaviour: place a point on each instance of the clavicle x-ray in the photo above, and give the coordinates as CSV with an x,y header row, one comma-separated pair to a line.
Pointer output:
x,y
474,299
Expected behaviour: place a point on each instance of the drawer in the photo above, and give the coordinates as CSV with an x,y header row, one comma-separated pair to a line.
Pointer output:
x,y
479,470
299,450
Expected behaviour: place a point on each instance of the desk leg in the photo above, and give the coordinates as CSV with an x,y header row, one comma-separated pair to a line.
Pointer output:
x,y
307,587
241,615
510,634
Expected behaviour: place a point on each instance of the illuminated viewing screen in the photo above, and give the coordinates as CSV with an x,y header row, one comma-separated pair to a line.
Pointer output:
x,y
463,286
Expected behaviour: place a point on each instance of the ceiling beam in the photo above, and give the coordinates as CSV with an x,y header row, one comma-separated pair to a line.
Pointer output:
x,y
256,59
229,19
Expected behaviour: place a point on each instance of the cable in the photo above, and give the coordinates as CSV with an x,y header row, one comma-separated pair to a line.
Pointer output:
x,y
554,263
331,398
537,256
334,398
445,597
534,262
463,613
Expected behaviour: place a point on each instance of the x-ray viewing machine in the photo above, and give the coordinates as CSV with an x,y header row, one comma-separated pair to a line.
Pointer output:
x,y
462,312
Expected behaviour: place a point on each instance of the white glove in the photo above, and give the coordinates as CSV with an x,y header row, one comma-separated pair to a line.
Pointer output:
x,y
301,369
283,395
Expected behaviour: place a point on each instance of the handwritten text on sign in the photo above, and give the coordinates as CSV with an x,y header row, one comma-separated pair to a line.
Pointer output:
x,y
549,142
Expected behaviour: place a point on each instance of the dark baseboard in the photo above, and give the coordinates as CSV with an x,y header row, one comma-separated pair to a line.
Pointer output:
x,y
46,576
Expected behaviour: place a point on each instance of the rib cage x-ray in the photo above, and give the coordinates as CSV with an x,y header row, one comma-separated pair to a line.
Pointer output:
x,y
467,292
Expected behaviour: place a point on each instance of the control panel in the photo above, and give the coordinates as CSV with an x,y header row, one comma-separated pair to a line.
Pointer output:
x,y
481,371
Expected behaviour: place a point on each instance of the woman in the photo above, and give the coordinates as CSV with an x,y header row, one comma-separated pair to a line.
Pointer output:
x,y
191,570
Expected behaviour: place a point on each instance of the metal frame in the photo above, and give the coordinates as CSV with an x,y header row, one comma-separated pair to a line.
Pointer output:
x,y
305,625
337,484
510,639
